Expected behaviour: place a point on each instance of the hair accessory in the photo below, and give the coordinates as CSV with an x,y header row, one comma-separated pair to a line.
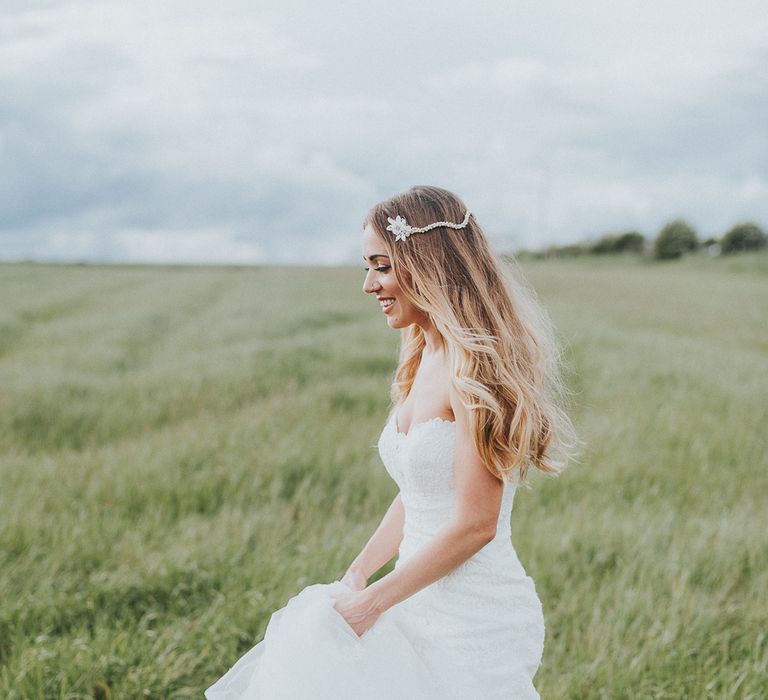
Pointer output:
x,y
399,226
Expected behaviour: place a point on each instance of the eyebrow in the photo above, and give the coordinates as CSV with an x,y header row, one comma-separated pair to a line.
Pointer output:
x,y
374,256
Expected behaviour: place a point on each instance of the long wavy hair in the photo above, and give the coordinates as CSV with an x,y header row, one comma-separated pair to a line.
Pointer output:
x,y
505,361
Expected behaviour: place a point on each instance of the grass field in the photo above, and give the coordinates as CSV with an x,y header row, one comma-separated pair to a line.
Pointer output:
x,y
183,449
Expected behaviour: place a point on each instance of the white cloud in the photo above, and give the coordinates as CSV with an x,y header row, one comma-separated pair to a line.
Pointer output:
x,y
186,246
267,131
754,189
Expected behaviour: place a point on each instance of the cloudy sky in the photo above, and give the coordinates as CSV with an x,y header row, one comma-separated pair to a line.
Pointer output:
x,y
262,132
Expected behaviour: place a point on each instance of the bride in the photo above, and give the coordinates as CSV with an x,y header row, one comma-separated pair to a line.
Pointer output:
x,y
476,403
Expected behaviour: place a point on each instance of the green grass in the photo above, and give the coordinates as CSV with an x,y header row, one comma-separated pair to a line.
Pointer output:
x,y
184,449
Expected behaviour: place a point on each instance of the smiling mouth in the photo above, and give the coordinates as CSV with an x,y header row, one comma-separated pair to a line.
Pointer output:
x,y
386,304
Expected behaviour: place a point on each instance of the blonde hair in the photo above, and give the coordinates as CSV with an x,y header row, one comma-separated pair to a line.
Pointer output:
x,y
501,347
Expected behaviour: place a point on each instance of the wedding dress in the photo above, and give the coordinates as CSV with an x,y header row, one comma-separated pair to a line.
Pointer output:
x,y
475,634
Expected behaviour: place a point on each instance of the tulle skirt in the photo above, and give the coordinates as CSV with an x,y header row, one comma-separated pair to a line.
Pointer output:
x,y
310,652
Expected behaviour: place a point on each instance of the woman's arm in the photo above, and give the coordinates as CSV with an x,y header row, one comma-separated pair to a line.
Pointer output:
x,y
383,544
472,526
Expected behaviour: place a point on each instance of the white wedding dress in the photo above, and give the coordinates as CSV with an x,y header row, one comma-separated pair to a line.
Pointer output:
x,y
475,634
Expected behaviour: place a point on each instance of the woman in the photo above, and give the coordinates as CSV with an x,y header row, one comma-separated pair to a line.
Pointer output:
x,y
476,403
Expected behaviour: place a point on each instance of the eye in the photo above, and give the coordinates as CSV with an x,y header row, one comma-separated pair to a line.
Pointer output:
x,y
383,268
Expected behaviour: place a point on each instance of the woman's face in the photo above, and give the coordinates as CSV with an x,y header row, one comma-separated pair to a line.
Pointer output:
x,y
380,280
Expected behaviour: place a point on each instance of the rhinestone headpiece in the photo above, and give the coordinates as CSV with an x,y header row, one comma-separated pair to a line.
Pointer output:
x,y
399,226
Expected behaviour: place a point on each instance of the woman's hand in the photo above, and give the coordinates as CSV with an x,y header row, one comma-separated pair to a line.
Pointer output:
x,y
358,609
354,580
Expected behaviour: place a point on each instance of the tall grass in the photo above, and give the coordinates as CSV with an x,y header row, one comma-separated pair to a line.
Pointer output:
x,y
184,449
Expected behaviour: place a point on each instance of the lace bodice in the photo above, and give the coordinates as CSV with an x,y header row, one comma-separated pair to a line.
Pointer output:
x,y
421,462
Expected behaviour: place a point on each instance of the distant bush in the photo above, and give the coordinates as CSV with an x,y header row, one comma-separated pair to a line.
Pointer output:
x,y
606,244
569,251
743,237
676,238
629,242
557,251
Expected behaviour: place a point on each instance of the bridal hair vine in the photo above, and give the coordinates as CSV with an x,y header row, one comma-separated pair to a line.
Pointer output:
x,y
399,226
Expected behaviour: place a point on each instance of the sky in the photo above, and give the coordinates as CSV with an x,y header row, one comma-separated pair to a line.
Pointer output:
x,y
262,132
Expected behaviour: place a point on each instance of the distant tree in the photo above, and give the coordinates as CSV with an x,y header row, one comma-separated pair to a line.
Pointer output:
x,y
565,251
676,238
630,242
606,244
743,237
571,250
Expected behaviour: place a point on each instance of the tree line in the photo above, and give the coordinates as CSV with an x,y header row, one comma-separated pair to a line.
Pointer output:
x,y
675,239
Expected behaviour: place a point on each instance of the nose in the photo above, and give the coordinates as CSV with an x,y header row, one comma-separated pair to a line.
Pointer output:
x,y
369,286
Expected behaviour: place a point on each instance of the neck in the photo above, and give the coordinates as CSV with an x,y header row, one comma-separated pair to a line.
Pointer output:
x,y
432,338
